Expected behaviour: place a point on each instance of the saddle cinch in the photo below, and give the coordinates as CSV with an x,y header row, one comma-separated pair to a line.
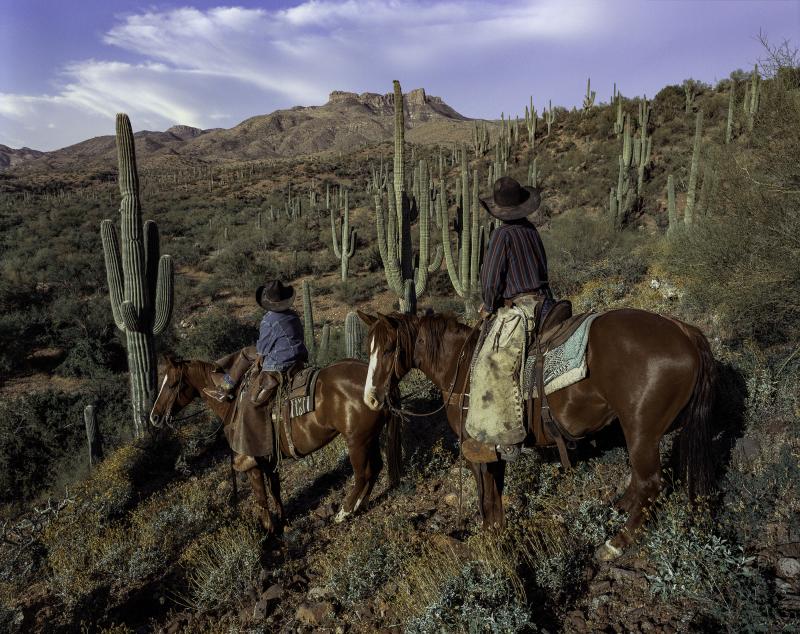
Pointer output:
x,y
554,326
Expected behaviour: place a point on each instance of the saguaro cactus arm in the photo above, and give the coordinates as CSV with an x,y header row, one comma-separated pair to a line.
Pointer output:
x,y
164,294
113,260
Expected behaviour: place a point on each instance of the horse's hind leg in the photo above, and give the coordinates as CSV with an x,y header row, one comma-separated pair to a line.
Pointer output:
x,y
642,491
256,477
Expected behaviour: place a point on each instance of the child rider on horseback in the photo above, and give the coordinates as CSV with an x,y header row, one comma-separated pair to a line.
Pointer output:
x,y
280,341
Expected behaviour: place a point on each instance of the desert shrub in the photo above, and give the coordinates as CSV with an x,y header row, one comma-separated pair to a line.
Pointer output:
x,y
223,567
479,599
358,289
36,432
742,263
693,563
583,248
215,334
369,559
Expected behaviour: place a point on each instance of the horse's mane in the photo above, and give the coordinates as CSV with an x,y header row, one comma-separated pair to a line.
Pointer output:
x,y
433,326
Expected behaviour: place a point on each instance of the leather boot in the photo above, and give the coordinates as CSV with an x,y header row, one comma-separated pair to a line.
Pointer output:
x,y
218,393
476,451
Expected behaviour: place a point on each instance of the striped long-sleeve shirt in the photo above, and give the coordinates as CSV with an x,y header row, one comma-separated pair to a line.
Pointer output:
x,y
515,263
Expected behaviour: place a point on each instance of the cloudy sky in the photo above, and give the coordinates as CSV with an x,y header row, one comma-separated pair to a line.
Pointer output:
x,y
67,66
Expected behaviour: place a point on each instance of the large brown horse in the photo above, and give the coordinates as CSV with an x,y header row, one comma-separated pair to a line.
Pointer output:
x,y
646,370
339,409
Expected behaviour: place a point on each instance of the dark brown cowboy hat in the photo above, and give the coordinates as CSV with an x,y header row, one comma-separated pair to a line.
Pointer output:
x,y
275,296
512,201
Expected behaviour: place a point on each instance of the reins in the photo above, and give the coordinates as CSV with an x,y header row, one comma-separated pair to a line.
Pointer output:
x,y
404,412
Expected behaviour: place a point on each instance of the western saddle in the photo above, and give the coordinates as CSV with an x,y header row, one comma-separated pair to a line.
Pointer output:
x,y
554,325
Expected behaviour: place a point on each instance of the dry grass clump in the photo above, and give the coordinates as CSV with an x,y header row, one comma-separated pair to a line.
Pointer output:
x,y
360,564
223,566
87,551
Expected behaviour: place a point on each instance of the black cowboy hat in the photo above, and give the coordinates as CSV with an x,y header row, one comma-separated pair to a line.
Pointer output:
x,y
512,201
275,296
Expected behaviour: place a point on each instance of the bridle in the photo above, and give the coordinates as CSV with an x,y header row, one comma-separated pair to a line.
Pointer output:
x,y
175,389
446,402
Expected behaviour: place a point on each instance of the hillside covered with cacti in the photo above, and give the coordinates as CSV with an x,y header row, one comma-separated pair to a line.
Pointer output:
x,y
685,203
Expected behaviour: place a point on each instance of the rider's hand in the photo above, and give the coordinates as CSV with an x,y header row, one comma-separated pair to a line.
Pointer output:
x,y
483,312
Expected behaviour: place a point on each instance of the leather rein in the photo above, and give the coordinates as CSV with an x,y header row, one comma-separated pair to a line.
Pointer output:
x,y
404,412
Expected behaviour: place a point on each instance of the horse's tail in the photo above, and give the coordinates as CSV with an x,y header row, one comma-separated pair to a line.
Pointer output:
x,y
694,462
394,446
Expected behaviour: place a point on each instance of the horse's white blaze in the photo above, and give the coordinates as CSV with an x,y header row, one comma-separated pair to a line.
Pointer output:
x,y
369,387
163,385
341,516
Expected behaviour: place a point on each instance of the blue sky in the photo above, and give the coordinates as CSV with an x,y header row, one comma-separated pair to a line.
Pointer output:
x,y
66,67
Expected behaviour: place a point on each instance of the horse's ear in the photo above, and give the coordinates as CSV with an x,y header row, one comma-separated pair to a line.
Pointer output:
x,y
367,319
170,359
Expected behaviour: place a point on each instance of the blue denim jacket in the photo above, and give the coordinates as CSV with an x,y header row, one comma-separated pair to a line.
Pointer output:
x,y
280,341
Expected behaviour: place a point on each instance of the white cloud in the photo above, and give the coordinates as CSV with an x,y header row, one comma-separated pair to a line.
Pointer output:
x,y
194,65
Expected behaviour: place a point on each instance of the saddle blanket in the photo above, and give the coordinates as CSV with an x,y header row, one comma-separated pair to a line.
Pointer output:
x,y
563,366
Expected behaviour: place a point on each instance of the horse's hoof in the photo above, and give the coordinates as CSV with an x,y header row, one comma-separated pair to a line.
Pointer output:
x,y
607,552
341,516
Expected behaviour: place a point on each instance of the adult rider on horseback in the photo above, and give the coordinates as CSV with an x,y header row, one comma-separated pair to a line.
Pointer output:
x,y
514,282
280,350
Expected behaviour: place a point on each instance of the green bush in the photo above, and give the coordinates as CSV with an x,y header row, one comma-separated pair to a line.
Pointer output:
x,y
742,263
583,248
215,334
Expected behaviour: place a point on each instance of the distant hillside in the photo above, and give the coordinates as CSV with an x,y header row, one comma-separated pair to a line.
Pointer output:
x,y
346,122
10,157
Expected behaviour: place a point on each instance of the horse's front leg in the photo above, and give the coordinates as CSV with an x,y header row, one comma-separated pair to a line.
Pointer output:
x,y
358,450
489,478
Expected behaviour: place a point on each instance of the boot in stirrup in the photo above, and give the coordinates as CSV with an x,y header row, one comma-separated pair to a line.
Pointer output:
x,y
218,393
476,451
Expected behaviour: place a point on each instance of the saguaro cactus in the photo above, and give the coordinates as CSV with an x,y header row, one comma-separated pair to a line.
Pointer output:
x,y
729,124
354,332
345,246
530,123
688,212
308,321
394,228
92,435
140,283
672,213
550,116
464,275
588,98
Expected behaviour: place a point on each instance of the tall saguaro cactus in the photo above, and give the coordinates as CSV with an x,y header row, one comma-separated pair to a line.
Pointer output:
x,y
140,283
588,98
345,246
394,227
308,321
464,273
688,212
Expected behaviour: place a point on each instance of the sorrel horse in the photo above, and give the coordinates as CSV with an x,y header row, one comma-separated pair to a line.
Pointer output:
x,y
646,370
339,409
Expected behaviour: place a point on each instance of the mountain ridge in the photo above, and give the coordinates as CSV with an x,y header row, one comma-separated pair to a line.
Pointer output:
x,y
348,120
